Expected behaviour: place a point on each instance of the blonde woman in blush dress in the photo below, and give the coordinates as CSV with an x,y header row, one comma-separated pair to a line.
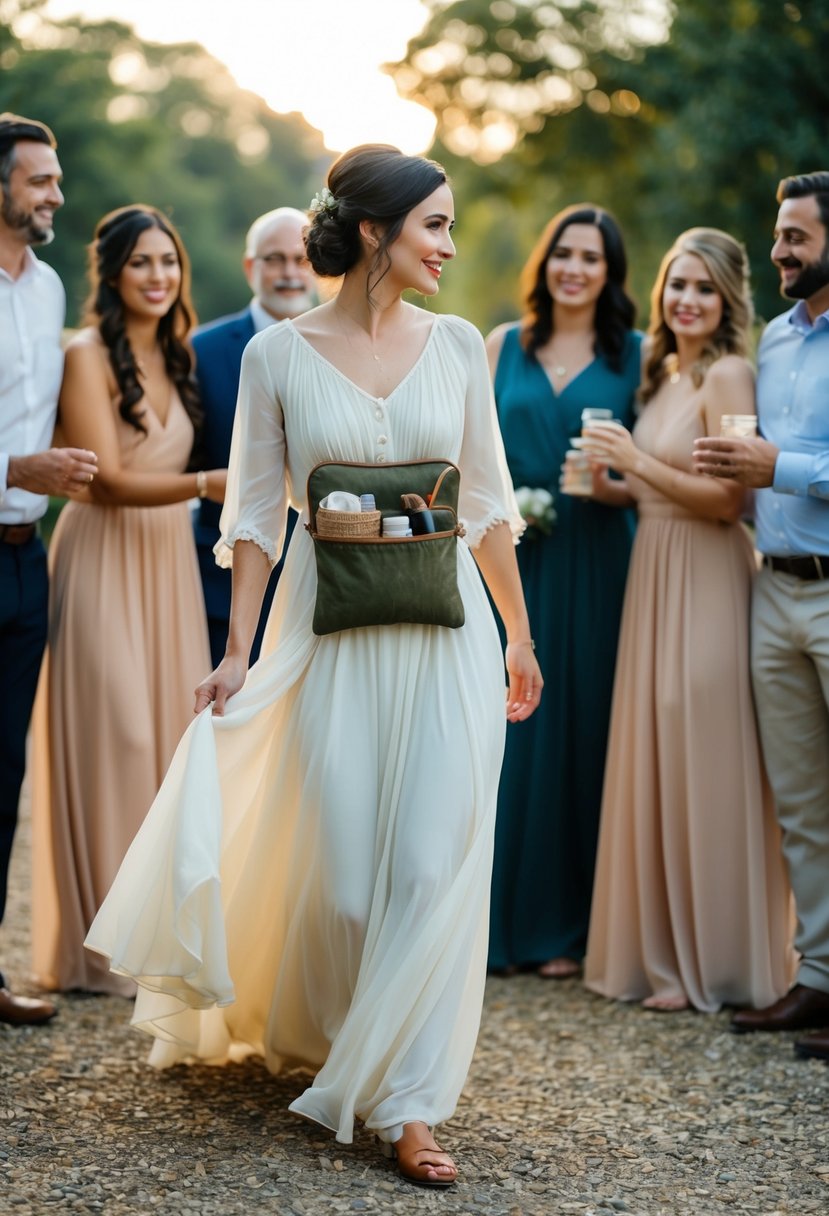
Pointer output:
x,y
127,630
690,903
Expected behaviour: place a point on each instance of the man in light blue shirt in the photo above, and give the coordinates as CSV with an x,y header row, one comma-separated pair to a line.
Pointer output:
x,y
789,468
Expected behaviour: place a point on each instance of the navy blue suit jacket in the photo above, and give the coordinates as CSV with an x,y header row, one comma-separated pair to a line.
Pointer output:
x,y
218,347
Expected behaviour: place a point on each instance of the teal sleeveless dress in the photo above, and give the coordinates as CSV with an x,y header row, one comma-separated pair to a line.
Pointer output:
x,y
574,579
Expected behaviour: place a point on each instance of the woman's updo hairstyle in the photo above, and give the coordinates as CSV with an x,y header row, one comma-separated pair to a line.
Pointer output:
x,y
372,182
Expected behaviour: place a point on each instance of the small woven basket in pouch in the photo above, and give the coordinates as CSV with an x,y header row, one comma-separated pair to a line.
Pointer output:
x,y
344,525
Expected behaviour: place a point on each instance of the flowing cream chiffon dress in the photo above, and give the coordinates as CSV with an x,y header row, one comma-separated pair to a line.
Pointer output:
x,y
312,881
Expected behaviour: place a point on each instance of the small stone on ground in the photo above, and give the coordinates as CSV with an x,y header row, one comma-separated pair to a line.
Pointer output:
x,y
574,1105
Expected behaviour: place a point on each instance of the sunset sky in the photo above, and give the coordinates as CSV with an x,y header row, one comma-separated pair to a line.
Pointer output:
x,y
321,57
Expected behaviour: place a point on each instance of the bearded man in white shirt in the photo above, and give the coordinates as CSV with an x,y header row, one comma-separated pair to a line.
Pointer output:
x,y
32,306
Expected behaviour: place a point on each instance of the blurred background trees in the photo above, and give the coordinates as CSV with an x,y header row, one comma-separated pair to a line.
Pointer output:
x,y
159,124
669,114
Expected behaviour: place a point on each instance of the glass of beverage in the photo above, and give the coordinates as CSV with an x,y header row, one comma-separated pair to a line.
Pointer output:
x,y
577,477
591,414
589,418
738,426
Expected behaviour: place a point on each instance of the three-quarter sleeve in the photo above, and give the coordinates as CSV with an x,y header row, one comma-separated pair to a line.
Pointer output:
x,y
487,496
255,506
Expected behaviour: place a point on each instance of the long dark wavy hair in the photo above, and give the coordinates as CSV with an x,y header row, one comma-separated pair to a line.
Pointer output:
x,y
115,238
615,311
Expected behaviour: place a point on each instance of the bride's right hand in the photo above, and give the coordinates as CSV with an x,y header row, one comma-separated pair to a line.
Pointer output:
x,y
222,683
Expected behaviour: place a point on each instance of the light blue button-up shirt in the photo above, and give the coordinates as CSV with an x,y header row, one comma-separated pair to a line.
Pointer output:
x,y
793,414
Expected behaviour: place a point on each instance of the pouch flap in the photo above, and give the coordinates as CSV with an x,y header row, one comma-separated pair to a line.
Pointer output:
x,y
438,480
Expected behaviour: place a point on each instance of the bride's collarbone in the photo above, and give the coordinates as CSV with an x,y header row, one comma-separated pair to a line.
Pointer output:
x,y
375,378
376,366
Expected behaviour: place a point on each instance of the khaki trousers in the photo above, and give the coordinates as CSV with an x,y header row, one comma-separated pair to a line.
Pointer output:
x,y
790,672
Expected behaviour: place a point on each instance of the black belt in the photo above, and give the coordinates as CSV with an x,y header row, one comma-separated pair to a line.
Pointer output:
x,y
811,566
17,534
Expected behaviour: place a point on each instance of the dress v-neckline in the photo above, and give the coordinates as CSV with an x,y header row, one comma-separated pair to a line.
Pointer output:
x,y
558,393
357,387
150,408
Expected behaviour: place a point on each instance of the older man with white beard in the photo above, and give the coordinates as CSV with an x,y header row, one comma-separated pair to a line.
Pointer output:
x,y
283,286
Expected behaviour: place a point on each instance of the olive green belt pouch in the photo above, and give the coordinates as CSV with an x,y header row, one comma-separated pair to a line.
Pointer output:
x,y
376,580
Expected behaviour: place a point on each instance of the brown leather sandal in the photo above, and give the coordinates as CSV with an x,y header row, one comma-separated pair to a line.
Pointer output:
x,y
413,1169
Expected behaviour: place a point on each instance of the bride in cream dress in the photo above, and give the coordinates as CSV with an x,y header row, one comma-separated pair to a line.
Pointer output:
x,y
312,881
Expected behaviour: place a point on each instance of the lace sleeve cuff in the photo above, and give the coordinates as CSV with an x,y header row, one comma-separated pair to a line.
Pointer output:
x,y
475,534
223,549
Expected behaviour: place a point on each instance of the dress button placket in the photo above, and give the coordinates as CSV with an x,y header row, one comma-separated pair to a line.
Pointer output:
x,y
381,440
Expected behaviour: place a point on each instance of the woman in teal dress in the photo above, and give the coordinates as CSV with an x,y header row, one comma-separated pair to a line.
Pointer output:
x,y
574,348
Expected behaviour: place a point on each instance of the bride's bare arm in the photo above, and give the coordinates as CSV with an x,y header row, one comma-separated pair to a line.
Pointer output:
x,y
495,556
251,569
87,420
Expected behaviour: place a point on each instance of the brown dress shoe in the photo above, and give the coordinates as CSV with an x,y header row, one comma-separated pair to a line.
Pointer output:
x,y
813,1046
23,1010
801,1009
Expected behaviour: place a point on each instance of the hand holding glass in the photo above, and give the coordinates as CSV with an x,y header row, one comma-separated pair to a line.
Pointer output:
x,y
738,426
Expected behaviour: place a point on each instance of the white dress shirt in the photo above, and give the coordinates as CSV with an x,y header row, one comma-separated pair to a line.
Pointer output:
x,y
32,310
262,319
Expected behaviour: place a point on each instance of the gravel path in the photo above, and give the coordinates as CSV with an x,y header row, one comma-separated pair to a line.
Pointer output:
x,y
574,1105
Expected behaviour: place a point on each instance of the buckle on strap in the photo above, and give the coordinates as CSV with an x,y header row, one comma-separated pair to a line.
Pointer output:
x,y
17,534
808,566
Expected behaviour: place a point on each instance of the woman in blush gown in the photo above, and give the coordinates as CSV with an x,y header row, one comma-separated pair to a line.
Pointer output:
x,y
691,903
127,628
574,348
312,881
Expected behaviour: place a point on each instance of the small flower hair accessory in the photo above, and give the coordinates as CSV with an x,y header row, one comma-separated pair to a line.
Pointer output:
x,y
324,201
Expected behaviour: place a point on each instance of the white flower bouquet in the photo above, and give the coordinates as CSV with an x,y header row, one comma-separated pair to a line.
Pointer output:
x,y
536,507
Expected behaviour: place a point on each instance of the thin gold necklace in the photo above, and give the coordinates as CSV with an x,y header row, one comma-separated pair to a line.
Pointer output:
x,y
338,309
558,369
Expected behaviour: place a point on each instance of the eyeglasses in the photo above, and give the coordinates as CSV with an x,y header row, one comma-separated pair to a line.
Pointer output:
x,y
279,259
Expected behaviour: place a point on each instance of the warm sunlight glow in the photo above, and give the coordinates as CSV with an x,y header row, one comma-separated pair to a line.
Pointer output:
x,y
321,58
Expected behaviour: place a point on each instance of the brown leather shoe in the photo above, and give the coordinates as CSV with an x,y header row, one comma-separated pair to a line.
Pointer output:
x,y
23,1010
800,1009
813,1046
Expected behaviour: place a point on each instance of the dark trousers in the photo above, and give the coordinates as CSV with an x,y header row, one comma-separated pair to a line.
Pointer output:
x,y
24,605
217,586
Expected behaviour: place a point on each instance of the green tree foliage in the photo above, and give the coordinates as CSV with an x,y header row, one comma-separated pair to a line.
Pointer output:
x,y
160,124
740,98
670,116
